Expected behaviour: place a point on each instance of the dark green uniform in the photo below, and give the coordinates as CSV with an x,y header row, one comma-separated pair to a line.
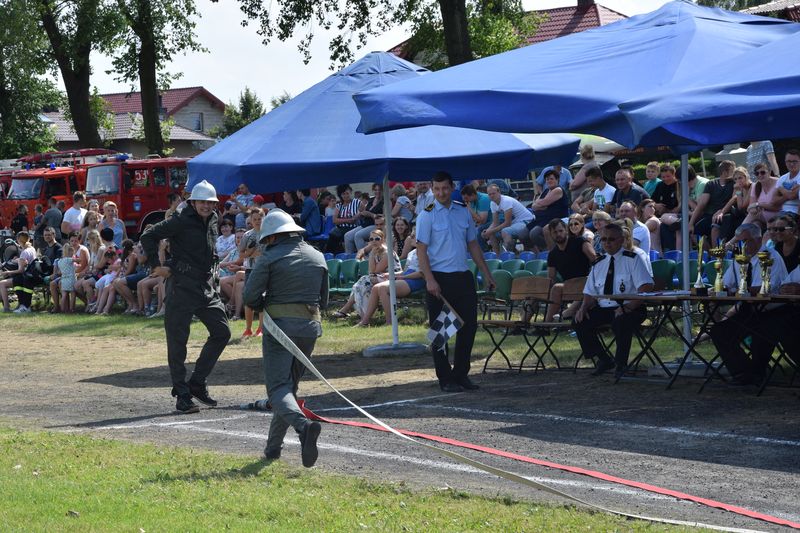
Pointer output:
x,y
190,291
295,278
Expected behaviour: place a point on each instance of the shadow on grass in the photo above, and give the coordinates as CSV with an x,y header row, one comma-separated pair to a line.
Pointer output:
x,y
248,471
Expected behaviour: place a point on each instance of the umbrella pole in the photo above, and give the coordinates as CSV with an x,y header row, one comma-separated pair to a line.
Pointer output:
x,y
387,215
687,320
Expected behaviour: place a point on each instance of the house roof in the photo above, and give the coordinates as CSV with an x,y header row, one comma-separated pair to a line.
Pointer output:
x,y
563,21
172,100
123,129
776,5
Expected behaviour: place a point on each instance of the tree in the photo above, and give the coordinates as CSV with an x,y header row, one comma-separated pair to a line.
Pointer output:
x,y
24,93
732,5
249,109
277,101
75,28
155,31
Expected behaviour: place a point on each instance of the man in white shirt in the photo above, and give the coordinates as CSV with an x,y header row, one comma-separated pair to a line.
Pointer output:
x,y
603,192
641,235
620,271
516,220
788,185
73,217
424,196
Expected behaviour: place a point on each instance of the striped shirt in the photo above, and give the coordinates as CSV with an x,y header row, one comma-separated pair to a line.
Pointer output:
x,y
348,211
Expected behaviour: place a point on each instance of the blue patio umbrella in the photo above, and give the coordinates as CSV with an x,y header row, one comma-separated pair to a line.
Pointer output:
x,y
574,83
755,96
311,141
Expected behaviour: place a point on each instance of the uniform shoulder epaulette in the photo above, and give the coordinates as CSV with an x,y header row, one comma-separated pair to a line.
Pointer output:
x,y
429,208
599,258
629,253
462,204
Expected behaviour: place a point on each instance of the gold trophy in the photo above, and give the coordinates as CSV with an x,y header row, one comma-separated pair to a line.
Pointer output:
x,y
718,254
765,261
743,261
699,286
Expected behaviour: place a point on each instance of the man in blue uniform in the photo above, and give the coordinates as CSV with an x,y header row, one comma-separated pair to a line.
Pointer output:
x,y
445,234
620,271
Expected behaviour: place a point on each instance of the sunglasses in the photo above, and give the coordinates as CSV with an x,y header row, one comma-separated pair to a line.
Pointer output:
x,y
375,238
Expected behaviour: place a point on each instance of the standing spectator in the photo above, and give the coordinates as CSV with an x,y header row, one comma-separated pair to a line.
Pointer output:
x,y
640,233
762,152
73,217
309,216
552,204
627,189
110,220
93,206
81,259
249,250
190,292
715,197
517,221
345,217
91,222
38,227
15,278
369,208
479,206
564,178
294,278
20,221
445,234
242,200
424,197
571,257
52,217
619,271
579,183
66,265
647,216
52,249
651,172
788,185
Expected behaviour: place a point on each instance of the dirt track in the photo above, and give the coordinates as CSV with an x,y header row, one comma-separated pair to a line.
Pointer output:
x,y
725,444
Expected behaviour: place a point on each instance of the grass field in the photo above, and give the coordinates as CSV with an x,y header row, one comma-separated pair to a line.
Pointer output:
x,y
61,482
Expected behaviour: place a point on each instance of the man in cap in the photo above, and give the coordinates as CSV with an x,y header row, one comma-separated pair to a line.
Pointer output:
x,y
190,291
290,282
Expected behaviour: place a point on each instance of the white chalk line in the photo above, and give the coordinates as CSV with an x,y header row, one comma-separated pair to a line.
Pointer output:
x,y
169,424
383,404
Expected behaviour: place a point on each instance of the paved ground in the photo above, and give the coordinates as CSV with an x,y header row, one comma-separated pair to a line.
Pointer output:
x,y
724,444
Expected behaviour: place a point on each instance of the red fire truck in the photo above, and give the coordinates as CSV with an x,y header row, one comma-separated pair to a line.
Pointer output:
x,y
139,187
34,187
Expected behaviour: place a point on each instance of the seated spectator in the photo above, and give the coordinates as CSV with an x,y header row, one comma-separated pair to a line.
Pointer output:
x,y
401,205
564,178
732,215
135,271
764,195
90,222
647,216
603,195
411,280
583,203
577,227
628,243
327,204
145,288
226,239
401,233
571,257
479,206
697,184
112,267
242,201
552,204
369,208
15,278
112,221
627,190
292,203
579,183
600,219
309,216
84,287
716,195
174,200
20,221
249,250
378,258
232,278
783,232
345,218
668,206
651,172
639,231
66,266
516,223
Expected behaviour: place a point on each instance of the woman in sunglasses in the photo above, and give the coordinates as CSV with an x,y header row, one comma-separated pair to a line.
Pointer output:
x,y
762,193
783,232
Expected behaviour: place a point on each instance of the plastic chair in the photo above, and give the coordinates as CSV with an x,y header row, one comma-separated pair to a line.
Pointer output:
x,y
710,271
363,268
673,255
342,256
536,265
489,255
502,280
693,255
654,255
334,271
542,255
493,264
512,265
527,256
505,256
663,270
692,272
348,274
327,227
522,274
328,256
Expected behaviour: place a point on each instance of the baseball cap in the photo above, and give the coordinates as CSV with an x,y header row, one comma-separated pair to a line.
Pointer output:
x,y
258,199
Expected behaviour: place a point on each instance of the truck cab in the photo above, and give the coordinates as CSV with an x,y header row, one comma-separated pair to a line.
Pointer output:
x,y
35,186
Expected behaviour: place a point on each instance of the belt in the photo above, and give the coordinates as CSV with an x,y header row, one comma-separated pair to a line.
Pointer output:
x,y
307,311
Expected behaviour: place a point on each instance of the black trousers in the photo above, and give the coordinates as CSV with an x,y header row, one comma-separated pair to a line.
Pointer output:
x,y
728,335
623,327
24,289
458,288
187,297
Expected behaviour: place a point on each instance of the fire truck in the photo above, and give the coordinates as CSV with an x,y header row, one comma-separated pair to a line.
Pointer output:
x,y
139,187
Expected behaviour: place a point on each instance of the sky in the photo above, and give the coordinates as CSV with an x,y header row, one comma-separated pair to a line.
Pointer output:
x,y
237,58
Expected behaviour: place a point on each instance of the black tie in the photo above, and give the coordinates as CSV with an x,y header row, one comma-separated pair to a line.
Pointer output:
x,y
608,286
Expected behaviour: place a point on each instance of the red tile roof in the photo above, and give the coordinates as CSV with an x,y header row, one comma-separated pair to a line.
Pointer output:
x,y
563,21
171,99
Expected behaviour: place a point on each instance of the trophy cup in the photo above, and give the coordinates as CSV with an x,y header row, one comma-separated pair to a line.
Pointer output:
x,y
699,286
743,261
765,261
718,254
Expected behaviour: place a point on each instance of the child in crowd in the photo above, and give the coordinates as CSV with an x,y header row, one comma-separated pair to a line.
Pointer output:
x,y
66,265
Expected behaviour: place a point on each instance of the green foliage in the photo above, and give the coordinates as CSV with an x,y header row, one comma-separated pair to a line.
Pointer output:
x,y
137,130
732,5
277,101
695,162
102,114
24,92
249,109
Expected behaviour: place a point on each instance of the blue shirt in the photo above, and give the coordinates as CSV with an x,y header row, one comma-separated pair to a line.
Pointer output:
x,y
446,232
564,180
482,204
310,217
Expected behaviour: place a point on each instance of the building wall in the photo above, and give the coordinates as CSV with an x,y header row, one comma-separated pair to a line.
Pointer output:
x,y
187,115
138,149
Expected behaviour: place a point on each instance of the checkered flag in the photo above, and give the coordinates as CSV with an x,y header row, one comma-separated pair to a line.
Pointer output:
x,y
445,326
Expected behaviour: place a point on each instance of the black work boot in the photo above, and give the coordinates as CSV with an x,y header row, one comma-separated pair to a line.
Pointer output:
x,y
201,393
308,443
185,405
273,454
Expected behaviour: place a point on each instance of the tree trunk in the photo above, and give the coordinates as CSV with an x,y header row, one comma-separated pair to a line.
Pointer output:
x,y
456,31
148,84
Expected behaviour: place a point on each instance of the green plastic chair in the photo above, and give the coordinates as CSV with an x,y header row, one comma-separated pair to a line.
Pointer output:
x,y
348,275
522,274
334,271
710,271
403,263
512,265
534,266
692,272
493,264
502,280
663,270
363,268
